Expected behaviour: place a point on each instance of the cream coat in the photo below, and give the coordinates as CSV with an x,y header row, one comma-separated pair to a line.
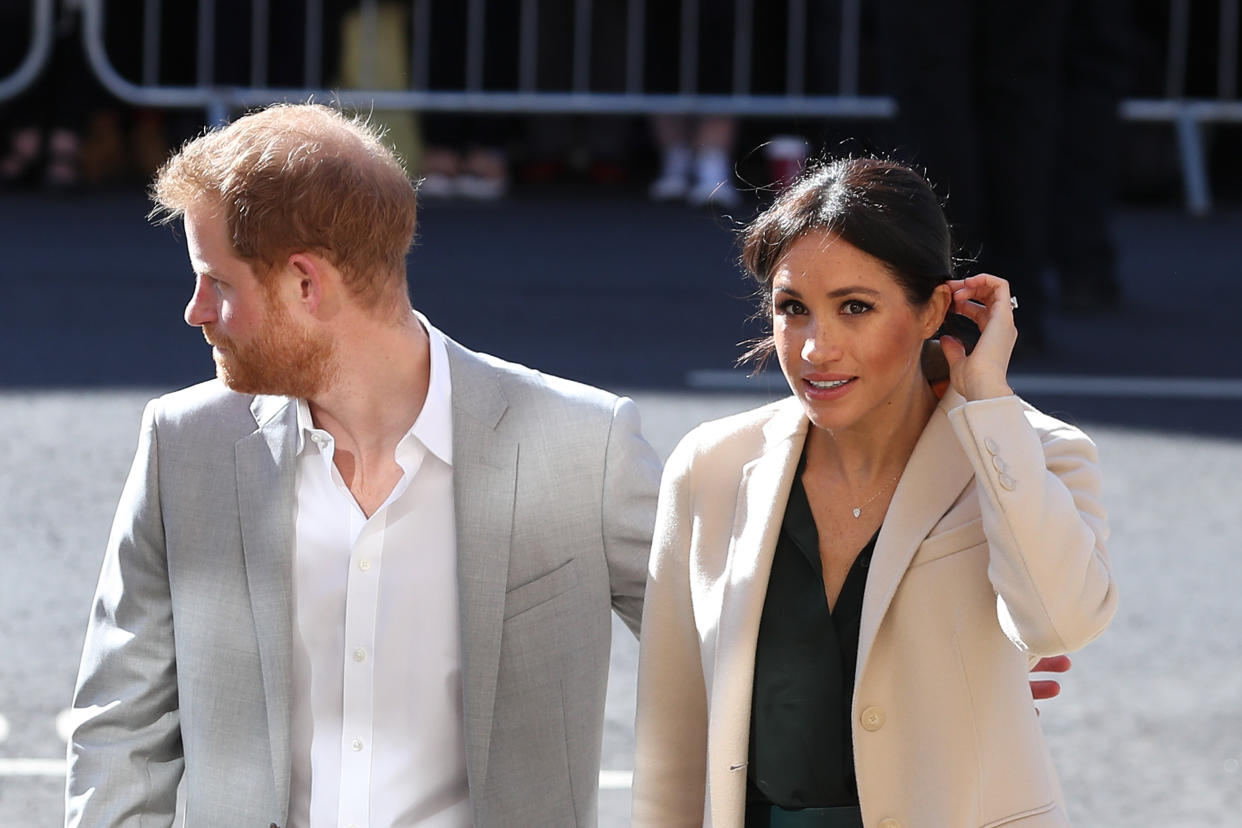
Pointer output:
x,y
992,554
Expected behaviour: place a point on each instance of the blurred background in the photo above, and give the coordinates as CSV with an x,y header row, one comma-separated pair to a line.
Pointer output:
x,y
584,168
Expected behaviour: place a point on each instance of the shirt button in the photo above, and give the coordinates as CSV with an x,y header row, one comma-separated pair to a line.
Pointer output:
x,y
364,564
990,445
356,744
360,654
889,823
1007,482
872,719
319,439
999,464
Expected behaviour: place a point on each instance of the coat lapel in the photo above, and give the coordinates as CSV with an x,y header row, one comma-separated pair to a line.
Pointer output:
x,y
484,485
765,481
934,477
265,494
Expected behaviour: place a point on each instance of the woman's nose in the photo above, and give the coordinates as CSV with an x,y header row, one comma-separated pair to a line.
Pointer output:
x,y
819,347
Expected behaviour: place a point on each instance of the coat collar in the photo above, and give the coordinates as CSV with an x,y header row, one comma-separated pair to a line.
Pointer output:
x,y
765,481
935,475
266,475
485,456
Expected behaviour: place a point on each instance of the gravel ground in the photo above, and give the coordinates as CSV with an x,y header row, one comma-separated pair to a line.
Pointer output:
x,y
1148,732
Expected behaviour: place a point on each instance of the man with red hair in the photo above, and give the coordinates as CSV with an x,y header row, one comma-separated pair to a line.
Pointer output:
x,y
364,576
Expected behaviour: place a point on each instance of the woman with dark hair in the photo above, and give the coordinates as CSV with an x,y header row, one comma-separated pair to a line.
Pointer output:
x,y
847,587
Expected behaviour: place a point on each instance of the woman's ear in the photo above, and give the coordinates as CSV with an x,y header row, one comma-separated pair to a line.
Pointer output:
x,y
937,310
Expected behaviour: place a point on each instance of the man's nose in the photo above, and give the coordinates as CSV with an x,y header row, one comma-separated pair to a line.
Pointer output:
x,y
201,309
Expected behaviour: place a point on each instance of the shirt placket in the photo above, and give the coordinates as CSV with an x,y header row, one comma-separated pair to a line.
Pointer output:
x,y
358,696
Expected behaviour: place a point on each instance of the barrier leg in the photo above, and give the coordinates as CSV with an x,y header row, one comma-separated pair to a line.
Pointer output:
x,y
1194,168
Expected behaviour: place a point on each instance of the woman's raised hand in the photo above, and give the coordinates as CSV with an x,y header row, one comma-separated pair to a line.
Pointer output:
x,y
985,300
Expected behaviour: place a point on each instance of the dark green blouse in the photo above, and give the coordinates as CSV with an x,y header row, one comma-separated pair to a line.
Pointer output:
x,y
801,748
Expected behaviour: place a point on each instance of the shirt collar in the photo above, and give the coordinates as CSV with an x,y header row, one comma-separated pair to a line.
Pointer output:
x,y
434,426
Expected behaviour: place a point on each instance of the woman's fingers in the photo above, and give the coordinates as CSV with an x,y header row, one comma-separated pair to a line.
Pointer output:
x,y
984,300
981,296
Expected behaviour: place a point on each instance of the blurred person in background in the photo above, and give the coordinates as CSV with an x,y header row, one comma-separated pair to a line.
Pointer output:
x,y
382,63
467,153
1094,76
590,146
364,577
695,152
976,85
847,586
43,126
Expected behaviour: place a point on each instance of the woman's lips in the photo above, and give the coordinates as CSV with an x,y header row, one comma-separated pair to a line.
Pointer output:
x,y
827,387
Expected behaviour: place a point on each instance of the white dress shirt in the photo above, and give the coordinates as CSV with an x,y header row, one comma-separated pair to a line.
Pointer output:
x,y
377,731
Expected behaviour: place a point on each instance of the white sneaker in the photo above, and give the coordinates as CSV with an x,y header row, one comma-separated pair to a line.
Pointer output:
x,y
713,181
438,185
481,188
674,180
668,188
716,193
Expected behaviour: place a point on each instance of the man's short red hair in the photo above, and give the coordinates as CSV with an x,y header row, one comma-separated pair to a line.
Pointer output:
x,y
301,178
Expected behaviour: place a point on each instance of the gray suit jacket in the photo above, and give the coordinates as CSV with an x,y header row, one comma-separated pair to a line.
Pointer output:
x,y
186,667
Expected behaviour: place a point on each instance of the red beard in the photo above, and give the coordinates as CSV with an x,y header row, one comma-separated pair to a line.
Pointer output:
x,y
282,359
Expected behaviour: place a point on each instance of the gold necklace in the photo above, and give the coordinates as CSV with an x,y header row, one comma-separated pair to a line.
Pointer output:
x,y
857,510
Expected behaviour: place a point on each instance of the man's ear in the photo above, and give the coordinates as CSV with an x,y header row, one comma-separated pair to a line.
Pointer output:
x,y
311,275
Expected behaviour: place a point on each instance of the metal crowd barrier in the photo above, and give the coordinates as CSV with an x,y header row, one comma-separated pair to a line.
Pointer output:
x,y
1188,115
218,100
36,56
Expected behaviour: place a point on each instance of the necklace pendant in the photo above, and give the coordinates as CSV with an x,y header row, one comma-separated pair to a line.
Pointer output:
x,y
857,511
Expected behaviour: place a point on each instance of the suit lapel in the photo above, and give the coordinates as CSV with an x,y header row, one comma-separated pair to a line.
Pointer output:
x,y
935,475
484,484
762,492
265,495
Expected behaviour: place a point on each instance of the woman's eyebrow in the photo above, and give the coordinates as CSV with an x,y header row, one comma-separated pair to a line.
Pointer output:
x,y
832,294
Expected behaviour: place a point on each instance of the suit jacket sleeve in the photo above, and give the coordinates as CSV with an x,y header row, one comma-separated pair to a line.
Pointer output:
x,y
125,756
631,482
671,727
1039,490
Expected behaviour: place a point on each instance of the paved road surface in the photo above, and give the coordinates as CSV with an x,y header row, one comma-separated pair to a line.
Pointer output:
x,y
1148,733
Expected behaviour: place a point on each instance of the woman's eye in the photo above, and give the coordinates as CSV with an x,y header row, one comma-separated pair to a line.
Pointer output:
x,y
855,307
790,307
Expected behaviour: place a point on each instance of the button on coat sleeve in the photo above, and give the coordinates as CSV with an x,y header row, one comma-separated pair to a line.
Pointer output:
x,y
1039,490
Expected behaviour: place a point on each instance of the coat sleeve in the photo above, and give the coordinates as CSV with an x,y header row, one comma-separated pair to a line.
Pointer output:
x,y
125,754
631,483
671,727
1039,490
